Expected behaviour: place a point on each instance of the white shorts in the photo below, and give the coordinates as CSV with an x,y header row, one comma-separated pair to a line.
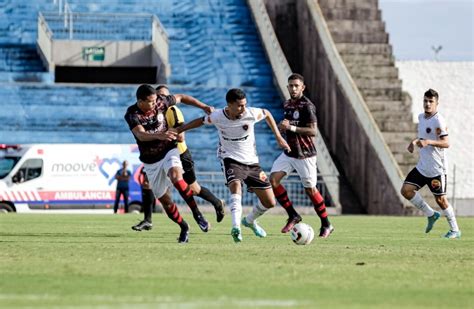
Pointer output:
x,y
306,168
158,172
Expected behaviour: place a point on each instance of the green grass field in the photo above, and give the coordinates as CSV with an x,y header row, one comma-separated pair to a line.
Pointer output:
x,y
97,261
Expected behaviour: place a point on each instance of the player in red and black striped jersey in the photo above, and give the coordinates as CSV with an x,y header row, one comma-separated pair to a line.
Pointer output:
x,y
158,152
300,127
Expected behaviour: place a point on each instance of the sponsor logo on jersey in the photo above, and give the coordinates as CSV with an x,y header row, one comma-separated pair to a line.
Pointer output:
x,y
230,171
245,127
428,130
160,117
435,184
263,176
438,131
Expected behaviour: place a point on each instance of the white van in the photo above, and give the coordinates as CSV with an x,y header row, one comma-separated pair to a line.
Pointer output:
x,y
65,177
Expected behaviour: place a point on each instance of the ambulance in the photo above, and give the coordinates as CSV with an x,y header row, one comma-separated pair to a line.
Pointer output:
x,y
65,177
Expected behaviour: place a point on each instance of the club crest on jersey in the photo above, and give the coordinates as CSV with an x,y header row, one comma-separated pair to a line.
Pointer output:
x,y
160,117
428,130
296,115
263,176
245,127
230,171
435,184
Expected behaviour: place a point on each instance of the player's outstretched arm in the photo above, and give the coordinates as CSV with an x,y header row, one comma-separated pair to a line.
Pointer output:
x,y
196,123
273,126
144,136
311,130
190,100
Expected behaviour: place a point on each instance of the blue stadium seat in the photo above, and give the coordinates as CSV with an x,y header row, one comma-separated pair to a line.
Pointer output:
x,y
214,46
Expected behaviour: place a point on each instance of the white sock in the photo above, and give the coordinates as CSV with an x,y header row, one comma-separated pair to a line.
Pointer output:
x,y
235,206
257,211
419,203
449,213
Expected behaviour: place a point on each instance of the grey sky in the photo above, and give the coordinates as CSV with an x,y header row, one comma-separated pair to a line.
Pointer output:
x,y
417,25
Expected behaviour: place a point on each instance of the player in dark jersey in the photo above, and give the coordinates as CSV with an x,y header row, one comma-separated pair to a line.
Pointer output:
x,y
158,152
299,125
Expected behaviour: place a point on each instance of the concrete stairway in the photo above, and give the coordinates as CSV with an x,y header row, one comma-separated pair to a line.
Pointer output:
x,y
359,34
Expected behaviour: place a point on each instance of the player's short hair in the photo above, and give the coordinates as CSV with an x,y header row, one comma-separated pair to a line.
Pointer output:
x,y
235,94
296,76
431,93
159,87
145,91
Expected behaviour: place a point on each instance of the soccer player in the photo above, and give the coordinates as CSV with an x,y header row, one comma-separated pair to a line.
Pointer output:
x,y
158,152
238,155
300,127
432,165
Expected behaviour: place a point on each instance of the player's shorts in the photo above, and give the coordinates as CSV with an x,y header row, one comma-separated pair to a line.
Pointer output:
x,y
306,168
157,172
436,184
188,166
252,175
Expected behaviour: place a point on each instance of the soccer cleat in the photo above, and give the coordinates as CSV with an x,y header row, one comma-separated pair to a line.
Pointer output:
x,y
431,221
236,234
257,229
202,222
184,234
453,234
324,232
290,223
143,225
220,213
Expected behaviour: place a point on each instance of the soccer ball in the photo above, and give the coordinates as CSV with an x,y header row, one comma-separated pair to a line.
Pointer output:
x,y
302,234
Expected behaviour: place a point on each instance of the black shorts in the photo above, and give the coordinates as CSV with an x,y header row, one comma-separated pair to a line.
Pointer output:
x,y
436,184
252,175
188,166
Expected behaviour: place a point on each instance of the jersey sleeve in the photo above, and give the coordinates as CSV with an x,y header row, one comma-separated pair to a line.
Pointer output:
x,y
257,113
132,120
212,118
441,127
310,113
174,117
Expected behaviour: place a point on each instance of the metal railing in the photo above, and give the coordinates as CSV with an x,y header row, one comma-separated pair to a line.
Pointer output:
x,y
93,26
215,182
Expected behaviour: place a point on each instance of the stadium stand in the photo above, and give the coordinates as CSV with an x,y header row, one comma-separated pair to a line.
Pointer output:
x,y
213,46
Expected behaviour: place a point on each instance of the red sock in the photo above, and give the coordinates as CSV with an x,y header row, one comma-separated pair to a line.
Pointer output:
x,y
174,214
320,207
185,193
282,198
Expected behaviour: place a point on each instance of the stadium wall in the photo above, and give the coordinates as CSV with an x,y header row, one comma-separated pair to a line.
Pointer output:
x,y
344,119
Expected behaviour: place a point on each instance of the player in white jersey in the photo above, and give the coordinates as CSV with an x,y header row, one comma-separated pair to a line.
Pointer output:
x,y
238,154
432,165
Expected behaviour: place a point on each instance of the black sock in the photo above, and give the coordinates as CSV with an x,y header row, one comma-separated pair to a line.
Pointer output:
x,y
207,195
147,203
